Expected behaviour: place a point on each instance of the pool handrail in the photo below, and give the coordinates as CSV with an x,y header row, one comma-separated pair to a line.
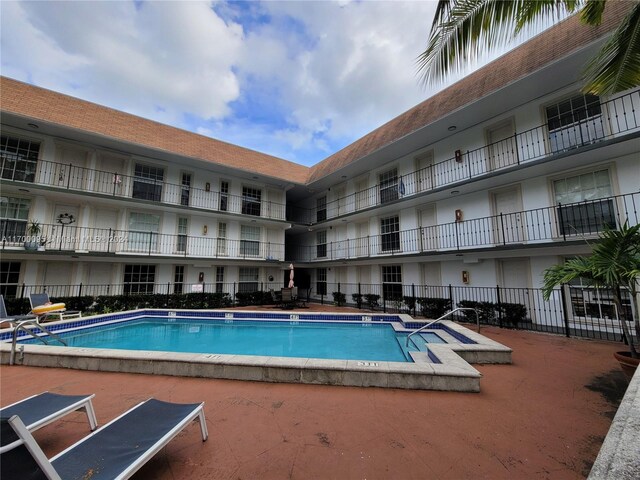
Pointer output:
x,y
424,327
20,325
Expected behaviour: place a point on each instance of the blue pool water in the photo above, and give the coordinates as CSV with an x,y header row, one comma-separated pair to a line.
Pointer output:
x,y
335,340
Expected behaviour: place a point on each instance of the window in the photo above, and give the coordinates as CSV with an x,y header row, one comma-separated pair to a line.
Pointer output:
x,y
321,209
185,191
224,195
585,206
321,281
143,232
14,214
178,279
249,241
19,158
392,282
574,122
248,279
219,279
139,279
251,198
390,234
321,247
388,185
181,241
9,278
147,182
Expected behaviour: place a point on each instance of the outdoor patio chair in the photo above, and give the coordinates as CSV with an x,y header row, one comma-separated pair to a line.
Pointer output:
x,y
42,409
287,298
13,319
57,310
277,300
304,302
115,451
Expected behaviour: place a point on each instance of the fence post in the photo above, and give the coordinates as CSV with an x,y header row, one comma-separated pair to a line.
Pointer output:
x,y
359,296
413,295
339,295
565,309
109,241
504,238
451,296
233,300
561,226
23,289
499,305
384,301
80,290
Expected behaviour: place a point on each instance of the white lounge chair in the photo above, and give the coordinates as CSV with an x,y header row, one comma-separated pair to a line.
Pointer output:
x,y
40,410
41,299
115,451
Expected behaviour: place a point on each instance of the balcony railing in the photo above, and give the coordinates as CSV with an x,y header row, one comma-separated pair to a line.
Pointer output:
x,y
558,223
70,238
114,184
618,116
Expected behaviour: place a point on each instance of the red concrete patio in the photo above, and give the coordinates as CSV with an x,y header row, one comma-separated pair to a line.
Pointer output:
x,y
544,417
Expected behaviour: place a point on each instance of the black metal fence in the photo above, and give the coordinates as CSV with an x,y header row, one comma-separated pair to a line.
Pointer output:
x,y
571,311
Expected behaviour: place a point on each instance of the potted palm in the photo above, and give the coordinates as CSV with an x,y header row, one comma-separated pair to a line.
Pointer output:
x,y
34,229
614,264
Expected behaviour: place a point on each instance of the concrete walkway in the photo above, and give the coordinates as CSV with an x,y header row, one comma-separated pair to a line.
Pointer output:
x,y
544,417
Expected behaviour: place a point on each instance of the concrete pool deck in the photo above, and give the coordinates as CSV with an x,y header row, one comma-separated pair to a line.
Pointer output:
x,y
543,417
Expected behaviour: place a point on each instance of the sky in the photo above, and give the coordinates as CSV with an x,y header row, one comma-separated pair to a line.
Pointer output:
x,y
295,79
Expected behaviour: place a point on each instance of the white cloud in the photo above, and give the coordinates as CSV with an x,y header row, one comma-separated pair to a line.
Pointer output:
x,y
160,60
322,74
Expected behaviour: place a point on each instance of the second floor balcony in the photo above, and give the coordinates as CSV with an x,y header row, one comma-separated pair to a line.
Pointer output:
x,y
541,226
114,184
96,241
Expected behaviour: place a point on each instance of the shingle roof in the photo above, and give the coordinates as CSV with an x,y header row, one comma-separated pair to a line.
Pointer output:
x,y
553,44
48,106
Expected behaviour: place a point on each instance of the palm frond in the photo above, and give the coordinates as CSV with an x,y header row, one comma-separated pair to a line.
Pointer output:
x,y
617,66
591,13
467,29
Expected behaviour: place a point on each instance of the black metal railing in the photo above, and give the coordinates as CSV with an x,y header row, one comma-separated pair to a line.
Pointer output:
x,y
572,221
116,184
618,116
57,237
570,311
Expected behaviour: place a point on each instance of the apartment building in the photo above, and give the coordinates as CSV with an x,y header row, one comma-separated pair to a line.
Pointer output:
x,y
484,185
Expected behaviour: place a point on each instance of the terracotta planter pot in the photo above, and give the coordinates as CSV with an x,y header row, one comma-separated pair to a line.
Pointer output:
x,y
628,364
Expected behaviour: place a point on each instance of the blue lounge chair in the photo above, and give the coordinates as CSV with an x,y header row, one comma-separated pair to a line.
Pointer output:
x,y
40,410
115,451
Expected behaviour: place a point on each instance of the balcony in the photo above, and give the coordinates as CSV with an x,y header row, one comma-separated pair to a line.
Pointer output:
x,y
73,178
69,238
560,223
618,117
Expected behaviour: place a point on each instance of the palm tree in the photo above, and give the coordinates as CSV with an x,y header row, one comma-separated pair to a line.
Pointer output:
x,y
463,29
614,263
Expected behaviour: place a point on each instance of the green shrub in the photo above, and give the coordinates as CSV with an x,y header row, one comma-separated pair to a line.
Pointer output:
x,y
486,311
410,302
372,300
433,307
339,298
357,299
513,313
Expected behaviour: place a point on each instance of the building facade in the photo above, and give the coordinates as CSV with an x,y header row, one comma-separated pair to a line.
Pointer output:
x,y
483,186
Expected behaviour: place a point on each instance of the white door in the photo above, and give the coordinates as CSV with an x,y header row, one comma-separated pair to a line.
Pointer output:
x,y
424,172
515,276
98,279
363,194
502,151
362,240
508,223
105,223
429,229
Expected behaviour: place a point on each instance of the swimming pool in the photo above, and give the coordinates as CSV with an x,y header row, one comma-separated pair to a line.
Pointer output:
x,y
311,347
303,339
